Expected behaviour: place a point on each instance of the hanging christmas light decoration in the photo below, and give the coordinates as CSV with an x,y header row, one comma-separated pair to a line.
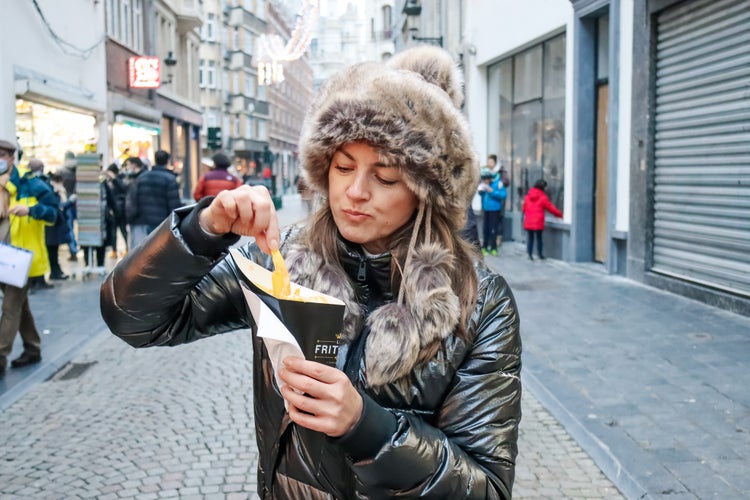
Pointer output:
x,y
273,52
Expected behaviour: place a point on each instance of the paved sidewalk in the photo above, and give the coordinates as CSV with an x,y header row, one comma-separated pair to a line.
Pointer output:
x,y
652,385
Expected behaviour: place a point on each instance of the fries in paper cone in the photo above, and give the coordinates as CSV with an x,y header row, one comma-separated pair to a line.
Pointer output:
x,y
304,322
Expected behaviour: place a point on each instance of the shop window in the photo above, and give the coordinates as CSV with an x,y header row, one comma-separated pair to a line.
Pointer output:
x,y
527,75
553,137
526,127
47,132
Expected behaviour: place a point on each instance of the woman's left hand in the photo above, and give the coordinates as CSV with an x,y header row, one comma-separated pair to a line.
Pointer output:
x,y
327,401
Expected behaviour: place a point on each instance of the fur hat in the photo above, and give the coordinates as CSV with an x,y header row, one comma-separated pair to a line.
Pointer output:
x,y
407,109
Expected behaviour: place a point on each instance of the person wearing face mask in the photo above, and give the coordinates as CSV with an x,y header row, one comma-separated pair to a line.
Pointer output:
x,y
425,398
32,207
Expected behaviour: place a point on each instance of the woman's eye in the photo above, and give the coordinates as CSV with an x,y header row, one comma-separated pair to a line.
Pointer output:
x,y
386,182
343,168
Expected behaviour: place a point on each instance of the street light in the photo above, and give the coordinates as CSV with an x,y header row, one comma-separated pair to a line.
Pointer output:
x,y
437,40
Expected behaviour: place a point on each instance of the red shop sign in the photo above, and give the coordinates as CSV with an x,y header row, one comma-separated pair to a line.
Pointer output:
x,y
144,72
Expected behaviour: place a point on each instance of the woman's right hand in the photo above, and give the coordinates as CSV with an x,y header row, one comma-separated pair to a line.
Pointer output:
x,y
246,211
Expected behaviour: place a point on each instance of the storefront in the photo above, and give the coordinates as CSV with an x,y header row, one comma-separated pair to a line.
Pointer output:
x,y
131,137
48,132
702,145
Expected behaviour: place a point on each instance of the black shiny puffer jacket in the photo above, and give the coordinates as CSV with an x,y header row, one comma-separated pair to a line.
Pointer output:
x,y
449,430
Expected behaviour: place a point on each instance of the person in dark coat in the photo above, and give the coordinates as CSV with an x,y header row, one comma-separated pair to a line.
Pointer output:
x,y
117,190
68,173
59,233
156,195
425,397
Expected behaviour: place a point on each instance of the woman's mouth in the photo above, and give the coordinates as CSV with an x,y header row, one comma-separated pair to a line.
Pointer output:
x,y
355,215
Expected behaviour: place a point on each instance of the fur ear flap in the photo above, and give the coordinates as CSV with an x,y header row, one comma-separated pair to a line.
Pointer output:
x,y
398,333
431,297
392,347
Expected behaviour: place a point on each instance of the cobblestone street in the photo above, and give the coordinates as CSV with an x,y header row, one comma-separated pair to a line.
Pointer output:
x,y
177,422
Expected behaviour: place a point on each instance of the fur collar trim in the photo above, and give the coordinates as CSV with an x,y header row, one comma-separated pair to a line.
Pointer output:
x,y
399,330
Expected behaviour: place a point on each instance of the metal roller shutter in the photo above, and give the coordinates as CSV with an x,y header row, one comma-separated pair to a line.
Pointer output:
x,y
702,144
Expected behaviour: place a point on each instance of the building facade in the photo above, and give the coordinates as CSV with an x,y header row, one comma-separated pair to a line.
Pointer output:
x,y
634,114
163,113
53,94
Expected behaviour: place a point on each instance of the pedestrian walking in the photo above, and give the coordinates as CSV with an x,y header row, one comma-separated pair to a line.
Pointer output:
x,y
156,195
535,203
425,398
32,206
217,179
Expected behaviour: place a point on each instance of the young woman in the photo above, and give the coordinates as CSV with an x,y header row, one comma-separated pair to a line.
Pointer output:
x,y
425,398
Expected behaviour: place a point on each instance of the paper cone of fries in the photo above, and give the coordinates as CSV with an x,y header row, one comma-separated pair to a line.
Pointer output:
x,y
296,321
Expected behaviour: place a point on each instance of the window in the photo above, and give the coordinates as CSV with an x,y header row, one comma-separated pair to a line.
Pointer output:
x,y
248,42
249,85
202,73
210,27
237,125
112,19
387,21
248,126
211,75
236,38
138,25
262,131
527,119
126,26
236,82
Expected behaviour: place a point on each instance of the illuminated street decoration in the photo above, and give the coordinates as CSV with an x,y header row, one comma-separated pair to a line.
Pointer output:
x,y
273,52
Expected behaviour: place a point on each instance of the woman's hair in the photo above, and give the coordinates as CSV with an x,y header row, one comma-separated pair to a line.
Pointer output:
x,y
541,184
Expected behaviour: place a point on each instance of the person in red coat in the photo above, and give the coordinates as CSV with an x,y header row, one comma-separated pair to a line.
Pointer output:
x,y
217,180
534,205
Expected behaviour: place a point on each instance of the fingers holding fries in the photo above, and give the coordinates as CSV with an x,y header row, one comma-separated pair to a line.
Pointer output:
x,y
246,211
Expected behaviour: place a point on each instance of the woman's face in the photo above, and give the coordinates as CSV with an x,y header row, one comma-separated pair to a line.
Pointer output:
x,y
369,200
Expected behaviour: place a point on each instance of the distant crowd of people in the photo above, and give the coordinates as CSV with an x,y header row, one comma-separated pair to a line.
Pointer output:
x,y
38,213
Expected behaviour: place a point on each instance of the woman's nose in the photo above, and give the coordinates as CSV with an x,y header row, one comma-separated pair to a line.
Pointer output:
x,y
358,189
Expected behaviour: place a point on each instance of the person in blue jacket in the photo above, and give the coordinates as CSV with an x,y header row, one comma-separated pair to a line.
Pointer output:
x,y
493,193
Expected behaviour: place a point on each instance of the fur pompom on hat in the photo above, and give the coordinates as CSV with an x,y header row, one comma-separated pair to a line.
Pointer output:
x,y
408,110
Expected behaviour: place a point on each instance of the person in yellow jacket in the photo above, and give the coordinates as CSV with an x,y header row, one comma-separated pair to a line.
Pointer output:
x,y
32,207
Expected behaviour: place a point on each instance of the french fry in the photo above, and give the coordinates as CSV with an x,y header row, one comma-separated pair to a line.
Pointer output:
x,y
280,276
